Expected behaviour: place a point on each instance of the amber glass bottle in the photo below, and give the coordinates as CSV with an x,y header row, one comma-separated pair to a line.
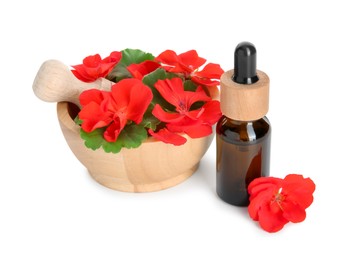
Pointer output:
x,y
243,154
243,132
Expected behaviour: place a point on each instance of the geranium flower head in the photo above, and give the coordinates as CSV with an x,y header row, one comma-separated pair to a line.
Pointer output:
x,y
167,97
127,101
194,122
185,62
94,67
274,202
188,64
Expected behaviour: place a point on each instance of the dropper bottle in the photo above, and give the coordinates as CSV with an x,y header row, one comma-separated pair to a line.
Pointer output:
x,y
243,132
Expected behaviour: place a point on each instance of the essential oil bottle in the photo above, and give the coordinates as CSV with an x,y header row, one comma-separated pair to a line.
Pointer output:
x,y
243,132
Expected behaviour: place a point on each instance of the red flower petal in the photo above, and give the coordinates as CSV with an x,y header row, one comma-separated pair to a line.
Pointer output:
x,y
113,131
173,92
94,67
167,57
193,97
266,191
167,136
211,113
91,67
163,116
198,131
131,99
138,71
192,128
263,184
93,117
195,114
292,211
209,76
92,61
211,71
170,90
80,73
269,221
91,95
299,189
190,60
114,57
188,63
185,63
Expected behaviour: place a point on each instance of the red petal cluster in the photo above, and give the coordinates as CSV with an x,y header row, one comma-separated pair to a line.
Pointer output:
x,y
192,112
274,202
94,67
193,122
188,64
128,100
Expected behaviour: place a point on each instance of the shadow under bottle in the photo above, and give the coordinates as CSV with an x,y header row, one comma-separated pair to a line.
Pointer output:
x,y
243,154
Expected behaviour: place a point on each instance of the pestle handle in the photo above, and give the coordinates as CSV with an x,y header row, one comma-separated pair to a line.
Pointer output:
x,y
55,82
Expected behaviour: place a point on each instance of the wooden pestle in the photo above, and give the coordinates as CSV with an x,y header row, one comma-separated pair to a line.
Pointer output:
x,y
55,82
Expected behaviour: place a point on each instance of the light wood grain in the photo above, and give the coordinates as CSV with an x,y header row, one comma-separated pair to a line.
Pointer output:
x,y
244,102
151,167
55,82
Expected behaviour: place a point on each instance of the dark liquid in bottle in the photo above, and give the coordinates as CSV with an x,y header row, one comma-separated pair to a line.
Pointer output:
x,y
243,154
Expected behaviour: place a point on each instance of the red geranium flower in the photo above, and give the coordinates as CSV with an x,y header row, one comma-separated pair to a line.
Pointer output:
x,y
188,64
195,123
172,110
138,71
274,202
94,67
128,100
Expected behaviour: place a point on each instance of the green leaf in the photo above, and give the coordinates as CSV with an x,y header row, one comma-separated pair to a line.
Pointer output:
x,y
131,136
78,121
94,139
114,147
129,56
150,121
189,85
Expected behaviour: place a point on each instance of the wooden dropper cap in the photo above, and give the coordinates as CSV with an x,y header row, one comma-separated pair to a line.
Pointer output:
x,y
244,91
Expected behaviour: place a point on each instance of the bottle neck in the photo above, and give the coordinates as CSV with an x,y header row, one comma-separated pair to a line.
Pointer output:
x,y
235,131
241,122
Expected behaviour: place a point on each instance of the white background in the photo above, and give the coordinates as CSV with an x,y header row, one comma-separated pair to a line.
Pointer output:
x,y
50,208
